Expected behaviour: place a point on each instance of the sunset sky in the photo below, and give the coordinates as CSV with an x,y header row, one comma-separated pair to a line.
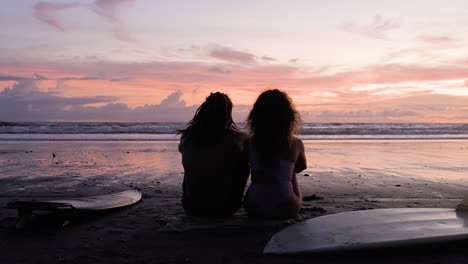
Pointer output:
x,y
152,60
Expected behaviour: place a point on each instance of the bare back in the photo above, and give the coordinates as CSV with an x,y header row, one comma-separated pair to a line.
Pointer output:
x,y
274,192
215,174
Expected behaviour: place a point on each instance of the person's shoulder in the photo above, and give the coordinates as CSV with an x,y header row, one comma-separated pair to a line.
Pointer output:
x,y
297,143
183,142
184,138
239,135
239,138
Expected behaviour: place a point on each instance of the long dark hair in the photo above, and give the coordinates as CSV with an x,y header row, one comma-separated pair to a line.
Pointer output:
x,y
272,123
211,120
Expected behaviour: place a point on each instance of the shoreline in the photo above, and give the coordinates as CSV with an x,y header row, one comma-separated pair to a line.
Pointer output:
x,y
148,137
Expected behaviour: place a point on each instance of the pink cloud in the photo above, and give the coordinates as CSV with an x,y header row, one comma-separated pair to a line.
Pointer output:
x,y
394,73
401,53
123,35
266,58
377,29
228,54
436,39
45,12
106,8
137,84
410,108
186,76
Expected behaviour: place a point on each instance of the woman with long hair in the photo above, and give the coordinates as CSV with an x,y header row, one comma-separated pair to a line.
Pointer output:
x,y
214,160
275,156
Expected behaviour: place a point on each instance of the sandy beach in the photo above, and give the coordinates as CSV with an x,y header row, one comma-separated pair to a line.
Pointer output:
x,y
343,175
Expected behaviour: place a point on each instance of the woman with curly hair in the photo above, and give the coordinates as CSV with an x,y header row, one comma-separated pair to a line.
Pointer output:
x,y
275,156
214,160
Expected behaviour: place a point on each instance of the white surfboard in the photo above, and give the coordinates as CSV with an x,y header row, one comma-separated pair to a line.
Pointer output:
x,y
371,229
73,206
89,203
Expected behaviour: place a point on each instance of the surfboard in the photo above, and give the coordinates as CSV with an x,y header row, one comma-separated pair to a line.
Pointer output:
x,y
368,229
71,207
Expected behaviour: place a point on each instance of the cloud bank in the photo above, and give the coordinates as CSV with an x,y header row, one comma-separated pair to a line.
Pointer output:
x,y
24,101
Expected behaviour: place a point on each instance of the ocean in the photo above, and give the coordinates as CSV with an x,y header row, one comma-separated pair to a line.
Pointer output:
x,y
163,131
92,157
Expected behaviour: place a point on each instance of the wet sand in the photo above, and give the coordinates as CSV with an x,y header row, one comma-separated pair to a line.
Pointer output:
x,y
341,176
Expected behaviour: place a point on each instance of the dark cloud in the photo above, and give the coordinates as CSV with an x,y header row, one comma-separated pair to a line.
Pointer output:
x,y
25,102
40,77
268,58
218,69
228,54
11,78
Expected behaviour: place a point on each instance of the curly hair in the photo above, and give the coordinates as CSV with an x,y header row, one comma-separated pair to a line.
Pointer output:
x,y
211,120
272,122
